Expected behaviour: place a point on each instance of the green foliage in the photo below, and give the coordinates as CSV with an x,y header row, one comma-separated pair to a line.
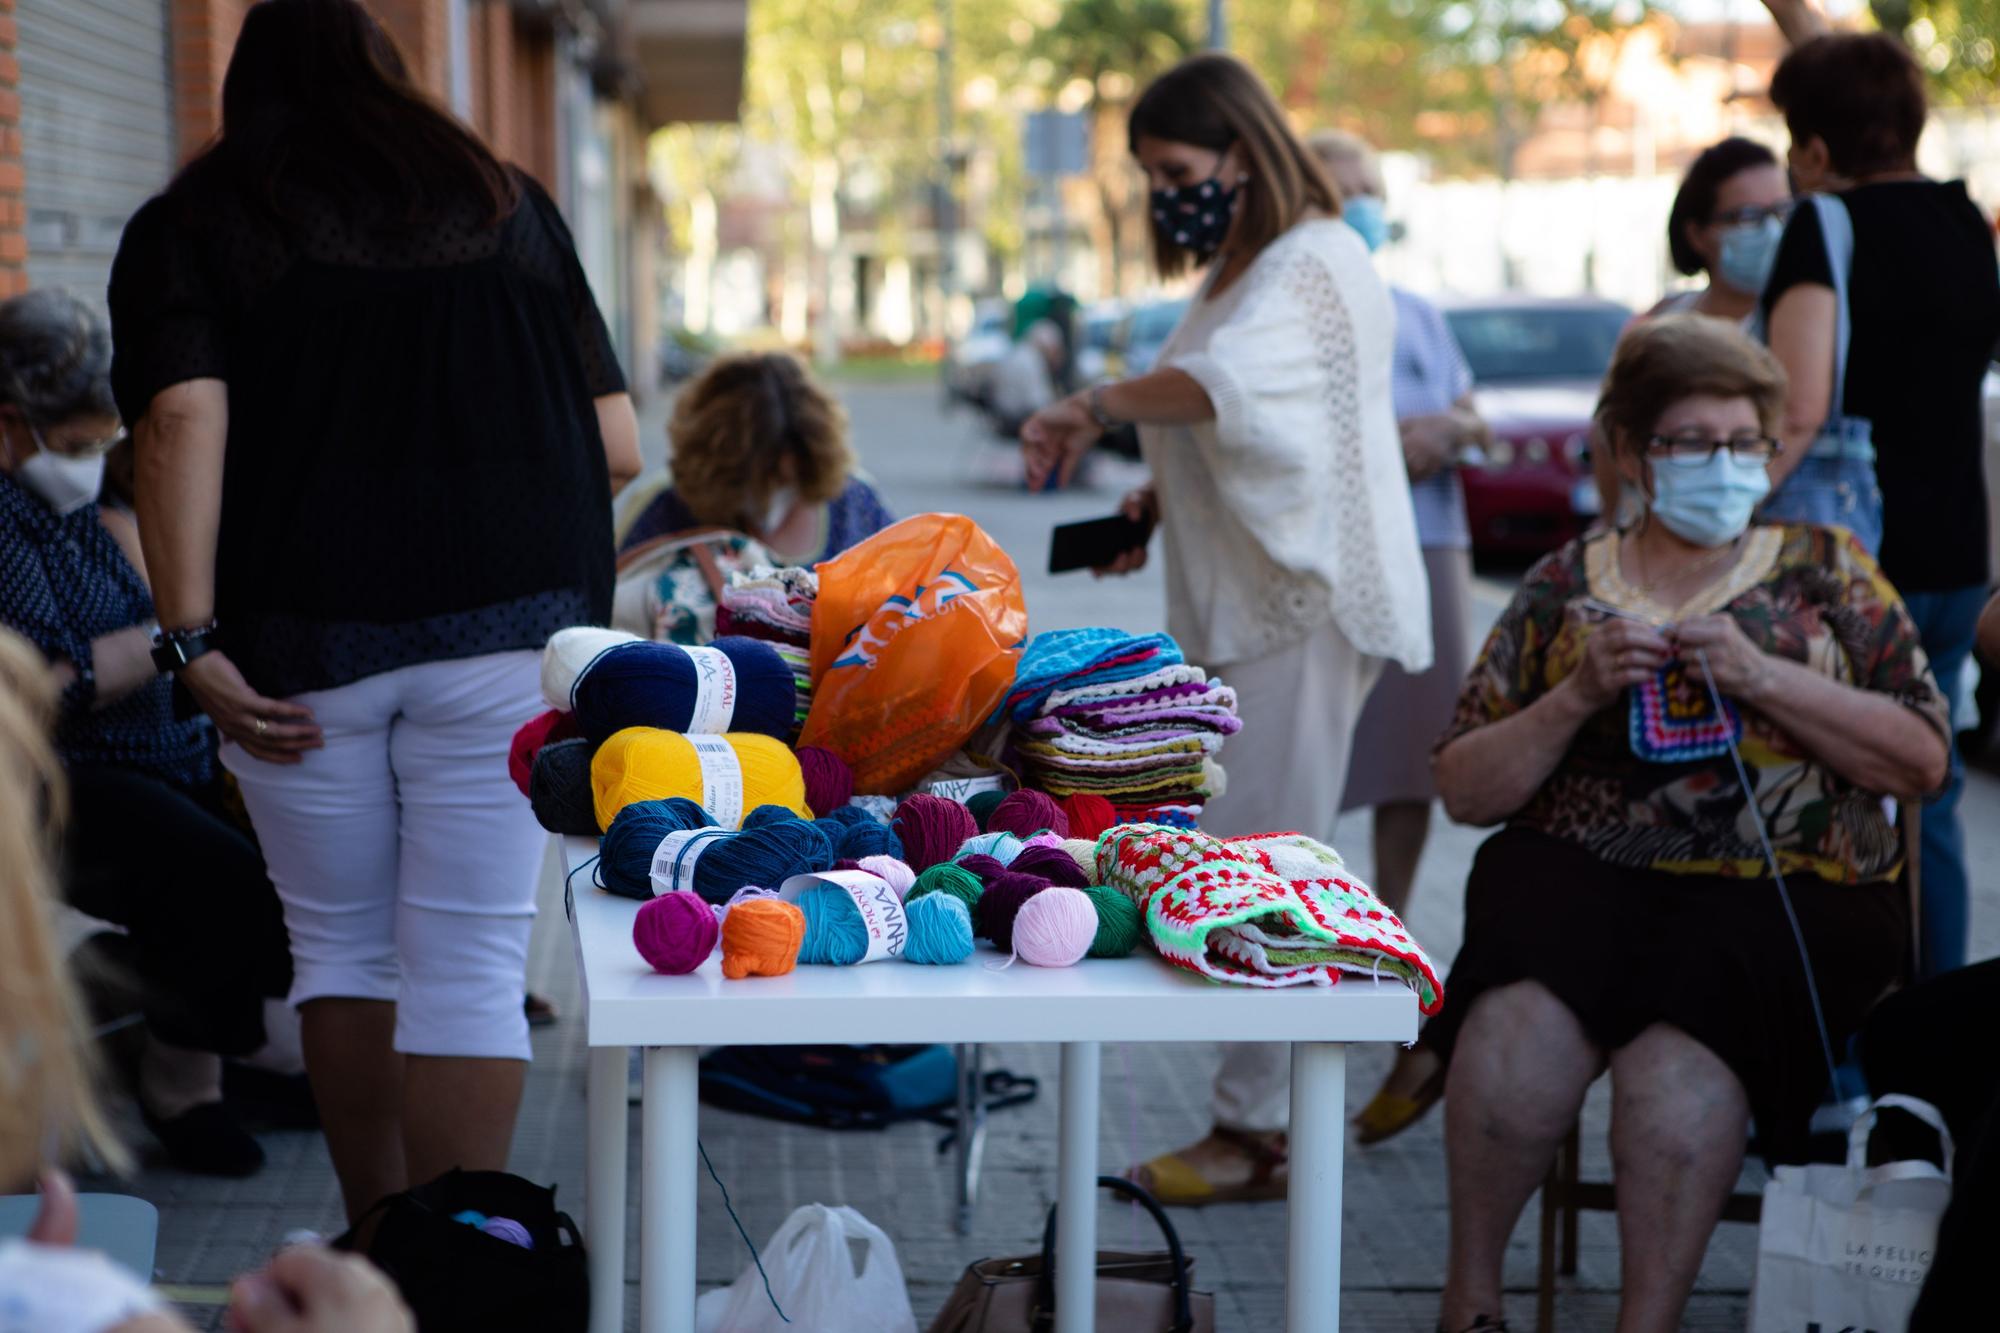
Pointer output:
x,y
1957,41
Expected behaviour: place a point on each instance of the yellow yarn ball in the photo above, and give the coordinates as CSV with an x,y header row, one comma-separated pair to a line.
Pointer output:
x,y
1083,851
645,764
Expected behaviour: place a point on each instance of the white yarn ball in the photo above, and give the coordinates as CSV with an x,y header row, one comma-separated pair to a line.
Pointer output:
x,y
568,652
889,870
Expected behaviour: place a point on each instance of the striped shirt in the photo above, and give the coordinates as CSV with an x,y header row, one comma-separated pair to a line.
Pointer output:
x,y
1429,375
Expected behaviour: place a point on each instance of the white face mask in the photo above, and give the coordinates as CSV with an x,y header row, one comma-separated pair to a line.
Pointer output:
x,y
779,508
64,484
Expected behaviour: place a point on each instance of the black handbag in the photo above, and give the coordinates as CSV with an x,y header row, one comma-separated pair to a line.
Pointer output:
x,y
458,1279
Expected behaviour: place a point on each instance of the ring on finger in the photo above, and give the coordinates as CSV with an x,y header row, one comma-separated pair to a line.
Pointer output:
x,y
263,728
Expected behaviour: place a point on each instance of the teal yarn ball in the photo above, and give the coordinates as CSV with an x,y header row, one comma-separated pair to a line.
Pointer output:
x,y
858,842
940,931
982,805
1002,847
835,934
953,881
1119,927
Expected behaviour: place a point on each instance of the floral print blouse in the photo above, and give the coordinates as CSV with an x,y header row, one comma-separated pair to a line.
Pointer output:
x,y
1807,593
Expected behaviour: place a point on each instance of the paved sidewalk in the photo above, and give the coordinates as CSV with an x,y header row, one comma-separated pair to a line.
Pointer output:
x,y
1154,1096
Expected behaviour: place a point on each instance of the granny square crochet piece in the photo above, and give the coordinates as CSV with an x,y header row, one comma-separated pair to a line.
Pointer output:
x,y
1674,719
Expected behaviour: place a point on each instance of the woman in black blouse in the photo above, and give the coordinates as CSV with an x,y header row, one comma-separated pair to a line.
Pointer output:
x,y
378,422
149,847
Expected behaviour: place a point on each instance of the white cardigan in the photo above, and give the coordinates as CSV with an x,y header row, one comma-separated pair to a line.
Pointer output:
x,y
1293,505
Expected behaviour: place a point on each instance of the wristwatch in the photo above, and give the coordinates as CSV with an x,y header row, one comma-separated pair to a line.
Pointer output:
x,y
1094,401
175,648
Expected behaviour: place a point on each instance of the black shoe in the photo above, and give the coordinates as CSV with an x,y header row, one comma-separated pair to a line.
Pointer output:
x,y
208,1140
267,1100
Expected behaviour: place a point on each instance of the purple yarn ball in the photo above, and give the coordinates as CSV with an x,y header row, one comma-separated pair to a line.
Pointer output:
x,y
675,932
993,916
986,868
507,1229
1052,864
1026,813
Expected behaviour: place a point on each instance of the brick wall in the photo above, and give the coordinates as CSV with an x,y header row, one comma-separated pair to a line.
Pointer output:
x,y
420,29
204,33
13,210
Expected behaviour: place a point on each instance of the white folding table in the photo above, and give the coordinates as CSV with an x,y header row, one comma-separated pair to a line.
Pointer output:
x,y
1142,998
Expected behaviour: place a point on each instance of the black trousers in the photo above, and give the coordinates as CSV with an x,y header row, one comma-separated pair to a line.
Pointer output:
x,y
205,933
1917,1043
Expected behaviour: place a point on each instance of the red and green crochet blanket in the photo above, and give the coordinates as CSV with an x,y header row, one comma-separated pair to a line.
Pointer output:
x,y
1270,910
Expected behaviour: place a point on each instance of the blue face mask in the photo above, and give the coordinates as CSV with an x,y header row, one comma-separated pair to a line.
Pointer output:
x,y
1363,212
1709,505
1195,217
1748,254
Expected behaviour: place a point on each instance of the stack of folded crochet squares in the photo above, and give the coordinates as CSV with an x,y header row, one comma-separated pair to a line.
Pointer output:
x,y
775,604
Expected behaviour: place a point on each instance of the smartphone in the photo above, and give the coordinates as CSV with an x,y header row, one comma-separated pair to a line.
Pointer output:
x,y
1095,543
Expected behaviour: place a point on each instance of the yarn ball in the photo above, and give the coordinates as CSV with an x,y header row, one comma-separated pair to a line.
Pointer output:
x,y
568,652
1055,928
507,1229
849,815
829,781
1046,838
985,869
559,788
769,814
528,742
896,874
835,933
664,685
940,931
1026,813
675,932
981,805
1001,903
471,1217
932,829
1053,864
1089,815
625,856
761,938
861,841
645,764
847,863
1119,925
1084,853
1002,847
954,881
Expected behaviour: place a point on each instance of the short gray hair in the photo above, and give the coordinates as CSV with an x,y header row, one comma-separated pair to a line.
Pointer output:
x,y
55,357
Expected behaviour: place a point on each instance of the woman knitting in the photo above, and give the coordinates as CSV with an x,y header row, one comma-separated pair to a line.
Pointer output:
x,y
1293,568
1626,916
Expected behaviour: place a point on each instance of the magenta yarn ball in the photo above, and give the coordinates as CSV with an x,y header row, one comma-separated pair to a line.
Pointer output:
x,y
994,914
1026,813
829,781
675,932
1053,864
932,829
986,868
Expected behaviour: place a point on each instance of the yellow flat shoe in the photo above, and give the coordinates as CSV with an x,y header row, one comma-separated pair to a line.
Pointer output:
x,y
1178,1183
1389,1114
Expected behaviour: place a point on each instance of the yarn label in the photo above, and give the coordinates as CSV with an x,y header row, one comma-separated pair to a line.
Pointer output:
x,y
721,780
881,910
964,789
674,858
714,691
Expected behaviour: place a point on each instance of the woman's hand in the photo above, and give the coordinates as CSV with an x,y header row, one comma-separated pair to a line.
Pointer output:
x,y
1619,655
1055,439
1141,506
267,729
1430,443
309,1289
1742,670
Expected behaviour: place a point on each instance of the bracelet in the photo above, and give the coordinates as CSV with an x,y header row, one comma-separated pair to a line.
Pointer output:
x,y
1094,401
184,633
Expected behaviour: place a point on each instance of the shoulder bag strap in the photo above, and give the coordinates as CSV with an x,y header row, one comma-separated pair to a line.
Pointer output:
x,y
1045,1285
1836,227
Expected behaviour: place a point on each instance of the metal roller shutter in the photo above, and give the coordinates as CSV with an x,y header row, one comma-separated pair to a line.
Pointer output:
x,y
97,130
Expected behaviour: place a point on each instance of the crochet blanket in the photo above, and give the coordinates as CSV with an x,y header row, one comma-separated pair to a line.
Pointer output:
x,y
1225,909
1070,659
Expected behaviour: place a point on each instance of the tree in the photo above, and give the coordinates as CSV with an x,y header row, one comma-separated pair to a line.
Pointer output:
x,y
1953,39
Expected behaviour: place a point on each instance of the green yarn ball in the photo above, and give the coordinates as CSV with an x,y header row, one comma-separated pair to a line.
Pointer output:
x,y
982,804
1119,928
952,880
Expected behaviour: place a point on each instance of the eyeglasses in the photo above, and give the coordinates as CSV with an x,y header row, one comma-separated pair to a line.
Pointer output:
x,y
1690,449
1752,214
81,448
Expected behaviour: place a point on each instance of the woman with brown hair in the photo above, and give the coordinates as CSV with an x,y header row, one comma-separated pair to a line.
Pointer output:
x,y
1686,729
378,421
1293,569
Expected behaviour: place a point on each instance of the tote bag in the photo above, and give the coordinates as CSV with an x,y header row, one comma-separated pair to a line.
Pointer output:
x,y
1848,1247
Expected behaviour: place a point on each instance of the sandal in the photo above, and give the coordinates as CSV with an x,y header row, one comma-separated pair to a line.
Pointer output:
x,y
1390,1113
1176,1182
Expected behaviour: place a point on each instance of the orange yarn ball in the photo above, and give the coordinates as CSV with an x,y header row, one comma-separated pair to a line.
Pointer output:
x,y
761,938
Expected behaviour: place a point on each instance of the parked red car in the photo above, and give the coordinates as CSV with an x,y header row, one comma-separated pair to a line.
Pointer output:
x,y
1537,364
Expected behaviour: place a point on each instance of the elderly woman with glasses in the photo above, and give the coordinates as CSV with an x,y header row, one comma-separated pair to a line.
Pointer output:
x,y
150,846
1631,913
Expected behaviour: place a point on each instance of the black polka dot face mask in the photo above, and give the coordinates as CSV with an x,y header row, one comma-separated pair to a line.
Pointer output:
x,y
1195,217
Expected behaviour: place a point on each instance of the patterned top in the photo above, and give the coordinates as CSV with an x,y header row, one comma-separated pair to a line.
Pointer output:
x,y
65,581
855,514
1429,375
1807,593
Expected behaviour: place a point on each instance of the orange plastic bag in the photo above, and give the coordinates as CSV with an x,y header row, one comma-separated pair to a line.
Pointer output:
x,y
915,639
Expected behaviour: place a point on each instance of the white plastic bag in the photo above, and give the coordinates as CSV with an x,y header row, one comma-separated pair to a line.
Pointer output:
x,y
819,1279
1848,1247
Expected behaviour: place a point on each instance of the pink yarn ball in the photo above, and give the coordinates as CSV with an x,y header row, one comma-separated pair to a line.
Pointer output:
x,y
675,932
1026,813
829,781
892,872
1055,927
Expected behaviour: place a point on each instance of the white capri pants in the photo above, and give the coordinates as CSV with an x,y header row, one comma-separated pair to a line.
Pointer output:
x,y
1286,773
405,856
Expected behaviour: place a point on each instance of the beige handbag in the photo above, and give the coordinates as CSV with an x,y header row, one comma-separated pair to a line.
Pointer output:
x,y
1136,1293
